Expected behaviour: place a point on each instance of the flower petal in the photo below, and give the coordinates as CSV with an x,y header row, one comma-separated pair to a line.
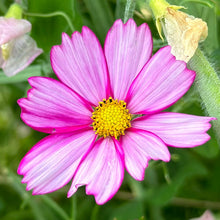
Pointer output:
x,y
23,51
80,63
176,129
11,28
161,83
102,171
52,107
52,162
127,49
139,147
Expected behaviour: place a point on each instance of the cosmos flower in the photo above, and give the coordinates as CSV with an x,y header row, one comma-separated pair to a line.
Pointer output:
x,y
89,113
17,48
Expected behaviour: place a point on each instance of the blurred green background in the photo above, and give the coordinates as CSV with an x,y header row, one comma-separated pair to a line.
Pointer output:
x,y
181,189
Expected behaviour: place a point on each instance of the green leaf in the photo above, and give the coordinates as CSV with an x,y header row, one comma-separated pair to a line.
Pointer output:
x,y
34,70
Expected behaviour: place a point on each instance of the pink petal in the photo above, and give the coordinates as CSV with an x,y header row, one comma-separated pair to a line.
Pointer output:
x,y
139,147
127,49
161,83
52,162
11,28
175,129
102,171
24,50
80,63
53,107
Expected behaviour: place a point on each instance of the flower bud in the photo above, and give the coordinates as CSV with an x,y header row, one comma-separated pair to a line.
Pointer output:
x,y
182,31
17,48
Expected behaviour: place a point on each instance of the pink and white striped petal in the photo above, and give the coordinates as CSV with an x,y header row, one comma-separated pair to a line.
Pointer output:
x,y
160,83
11,28
52,162
139,147
52,107
80,63
176,129
102,171
23,50
127,49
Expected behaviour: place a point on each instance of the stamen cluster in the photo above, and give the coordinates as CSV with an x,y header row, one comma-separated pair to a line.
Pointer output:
x,y
111,118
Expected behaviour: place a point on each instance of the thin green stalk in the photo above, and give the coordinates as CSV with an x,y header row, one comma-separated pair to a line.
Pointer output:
x,y
129,9
55,207
166,173
208,85
73,208
136,188
56,13
204,204
95,211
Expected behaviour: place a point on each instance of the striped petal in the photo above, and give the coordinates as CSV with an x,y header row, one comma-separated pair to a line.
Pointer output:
x,y
102,171
127,49
79,62
176,129
52,107
52,162
162,81
139,147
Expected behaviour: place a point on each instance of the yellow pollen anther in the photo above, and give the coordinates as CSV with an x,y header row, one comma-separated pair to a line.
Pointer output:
x,y
111,118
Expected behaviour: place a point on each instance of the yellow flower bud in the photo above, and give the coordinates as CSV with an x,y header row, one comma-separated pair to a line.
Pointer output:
x,y
15,11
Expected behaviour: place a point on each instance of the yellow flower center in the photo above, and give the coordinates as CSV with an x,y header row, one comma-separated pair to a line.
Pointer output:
x,y
111,118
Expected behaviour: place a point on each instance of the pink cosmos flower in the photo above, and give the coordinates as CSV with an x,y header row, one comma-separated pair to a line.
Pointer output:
x,y
89,112
17,48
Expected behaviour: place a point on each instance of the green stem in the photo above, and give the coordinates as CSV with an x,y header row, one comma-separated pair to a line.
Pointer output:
x,y
55,207
208,85
166,173
73,208
129,9
184,202
136,188
95,211
56,13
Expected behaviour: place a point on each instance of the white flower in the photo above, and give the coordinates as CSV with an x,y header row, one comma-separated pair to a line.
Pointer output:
x,y
17,48
183,32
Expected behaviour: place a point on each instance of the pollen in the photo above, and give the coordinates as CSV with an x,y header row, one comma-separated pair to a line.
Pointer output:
x,y
111,118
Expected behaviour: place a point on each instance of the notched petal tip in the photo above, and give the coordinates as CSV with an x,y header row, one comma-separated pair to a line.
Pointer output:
x,y
52,162
102,171
163,79
139,147
177,129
